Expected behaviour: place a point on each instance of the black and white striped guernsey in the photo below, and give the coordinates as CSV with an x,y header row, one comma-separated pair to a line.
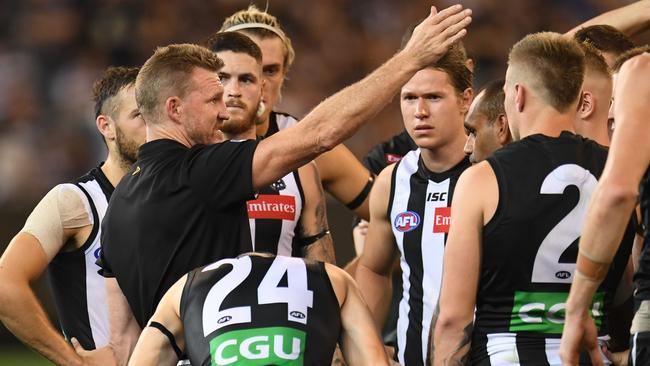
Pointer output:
x,y
79,291
274,216
529,250
275,213
420,211
279,121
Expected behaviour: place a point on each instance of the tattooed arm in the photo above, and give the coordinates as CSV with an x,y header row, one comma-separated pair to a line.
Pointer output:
x,y
474,204
313,220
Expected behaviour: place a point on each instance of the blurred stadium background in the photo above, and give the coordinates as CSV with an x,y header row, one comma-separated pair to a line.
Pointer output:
x,y
52,50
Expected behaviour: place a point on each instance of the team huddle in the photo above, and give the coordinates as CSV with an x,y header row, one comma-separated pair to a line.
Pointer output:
x,y
506,226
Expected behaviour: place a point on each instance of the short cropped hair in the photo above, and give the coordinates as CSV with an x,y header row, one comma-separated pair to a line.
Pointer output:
x,y
605,38
491,104
167,72
109,85
254,15
628,55
453,63
553,65
594,61
235,42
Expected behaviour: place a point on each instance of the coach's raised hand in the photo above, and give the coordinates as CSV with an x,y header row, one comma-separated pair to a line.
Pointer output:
x,y
431,38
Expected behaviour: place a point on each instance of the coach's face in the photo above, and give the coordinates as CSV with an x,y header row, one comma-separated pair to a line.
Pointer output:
x,y
242,83
202,109
432,109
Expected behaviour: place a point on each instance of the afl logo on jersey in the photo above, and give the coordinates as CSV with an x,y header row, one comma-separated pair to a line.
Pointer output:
x,y
297,314
224,319
406,221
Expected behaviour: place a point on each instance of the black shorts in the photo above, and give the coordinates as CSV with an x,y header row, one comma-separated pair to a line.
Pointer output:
x,y
640,349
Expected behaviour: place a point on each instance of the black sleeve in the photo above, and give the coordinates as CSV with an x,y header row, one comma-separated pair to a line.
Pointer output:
x,y
223,173
375,160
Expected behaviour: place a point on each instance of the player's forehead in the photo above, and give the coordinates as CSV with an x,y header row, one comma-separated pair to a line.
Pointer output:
x,y
125,99
428,80
478,99
272,48
236,63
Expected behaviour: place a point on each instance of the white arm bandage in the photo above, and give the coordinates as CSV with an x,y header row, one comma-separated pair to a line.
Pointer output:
x,y
63,207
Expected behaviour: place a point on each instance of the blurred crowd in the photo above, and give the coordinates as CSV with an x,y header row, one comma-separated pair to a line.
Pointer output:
x,y
52,50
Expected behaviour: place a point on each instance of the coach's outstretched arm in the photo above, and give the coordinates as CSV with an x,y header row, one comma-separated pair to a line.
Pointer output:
x,y
631,19
611,205
342,114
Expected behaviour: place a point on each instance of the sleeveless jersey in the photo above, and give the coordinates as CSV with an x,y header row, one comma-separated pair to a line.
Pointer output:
x,y
530,246
279,121
642,275
389,152
420,212
259,310
274,216
79,291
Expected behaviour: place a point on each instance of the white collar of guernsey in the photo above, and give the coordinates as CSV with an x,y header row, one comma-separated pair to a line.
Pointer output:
x,y
241,26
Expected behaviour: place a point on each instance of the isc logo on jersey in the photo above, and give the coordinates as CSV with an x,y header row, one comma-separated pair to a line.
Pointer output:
x,y
406,221
272,206
259,346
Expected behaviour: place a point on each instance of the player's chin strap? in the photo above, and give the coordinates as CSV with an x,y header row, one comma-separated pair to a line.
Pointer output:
x,y
169,336
589,268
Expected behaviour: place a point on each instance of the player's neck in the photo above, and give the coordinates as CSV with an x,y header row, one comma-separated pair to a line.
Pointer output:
x,y
546,121
115,168
249,134
261,128
445,157
596,133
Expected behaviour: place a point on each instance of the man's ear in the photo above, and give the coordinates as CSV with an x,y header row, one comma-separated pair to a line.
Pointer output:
x,y
503,129
520,97
106,126
466,98
586,105
174,109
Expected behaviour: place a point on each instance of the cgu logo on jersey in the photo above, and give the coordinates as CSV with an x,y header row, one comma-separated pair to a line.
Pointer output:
x,y
441,219
259,346
406,221
272,206
543,312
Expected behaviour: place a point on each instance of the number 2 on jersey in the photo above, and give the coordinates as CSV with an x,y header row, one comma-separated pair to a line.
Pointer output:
x,y
296,295
547,267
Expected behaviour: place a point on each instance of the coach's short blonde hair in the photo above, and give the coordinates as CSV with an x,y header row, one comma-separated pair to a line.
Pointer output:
x,y
167,73
255,15
552,64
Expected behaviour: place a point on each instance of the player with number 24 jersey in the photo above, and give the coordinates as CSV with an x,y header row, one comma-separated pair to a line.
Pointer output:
x,y
257,310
